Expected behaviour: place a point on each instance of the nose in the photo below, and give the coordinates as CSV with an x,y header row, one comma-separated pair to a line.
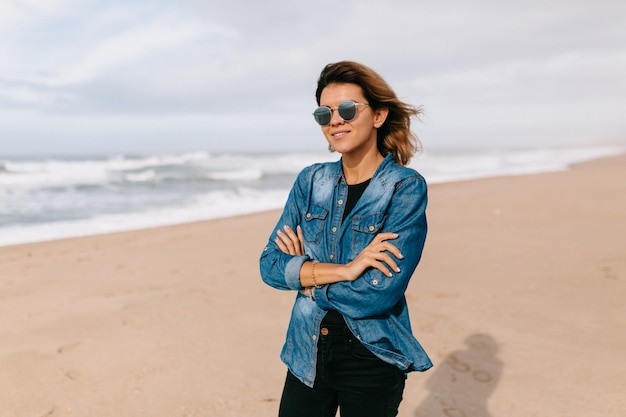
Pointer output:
x,y
335,119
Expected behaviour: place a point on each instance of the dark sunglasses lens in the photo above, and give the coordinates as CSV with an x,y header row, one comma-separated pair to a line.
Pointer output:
x,y
347,110
322,115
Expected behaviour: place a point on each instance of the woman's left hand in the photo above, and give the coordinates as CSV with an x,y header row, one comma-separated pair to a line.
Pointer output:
x,y
290,242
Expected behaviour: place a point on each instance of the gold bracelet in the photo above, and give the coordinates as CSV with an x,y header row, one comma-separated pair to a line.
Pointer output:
x,y
313,274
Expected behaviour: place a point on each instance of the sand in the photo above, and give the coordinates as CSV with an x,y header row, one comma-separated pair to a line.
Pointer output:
x,y
519,299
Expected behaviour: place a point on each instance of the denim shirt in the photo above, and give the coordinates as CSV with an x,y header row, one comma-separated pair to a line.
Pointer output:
x,y
374,306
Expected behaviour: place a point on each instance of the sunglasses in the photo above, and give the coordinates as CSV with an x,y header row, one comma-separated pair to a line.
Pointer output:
x,y
347,111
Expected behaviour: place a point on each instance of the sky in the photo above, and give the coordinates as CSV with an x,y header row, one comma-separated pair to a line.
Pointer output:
x,y
150,76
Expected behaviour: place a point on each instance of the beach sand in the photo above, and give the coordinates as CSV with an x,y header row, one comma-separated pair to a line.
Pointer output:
x,y
519,299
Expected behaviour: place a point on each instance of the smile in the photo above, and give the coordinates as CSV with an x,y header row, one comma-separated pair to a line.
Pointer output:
x,y
340,134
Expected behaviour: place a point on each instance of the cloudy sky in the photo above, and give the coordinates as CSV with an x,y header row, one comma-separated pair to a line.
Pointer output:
x,y
85,76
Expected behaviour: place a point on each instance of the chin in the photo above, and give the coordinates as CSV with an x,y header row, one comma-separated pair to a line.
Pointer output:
x,y
340,147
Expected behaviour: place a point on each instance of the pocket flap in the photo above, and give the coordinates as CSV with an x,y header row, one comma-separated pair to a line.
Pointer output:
x,y
369,224
315,212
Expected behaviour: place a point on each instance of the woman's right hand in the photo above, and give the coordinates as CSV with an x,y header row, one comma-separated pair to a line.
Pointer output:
x,y
376,255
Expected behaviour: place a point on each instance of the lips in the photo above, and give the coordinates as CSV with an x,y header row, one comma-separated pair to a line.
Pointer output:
x,y
340,134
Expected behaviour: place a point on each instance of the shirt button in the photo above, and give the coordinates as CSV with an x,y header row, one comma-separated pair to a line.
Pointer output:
x,y
308,215
334,229
332,256
375,281
340,202
314,337
371,228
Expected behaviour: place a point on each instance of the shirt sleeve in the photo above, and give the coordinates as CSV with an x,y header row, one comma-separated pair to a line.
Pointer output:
x,y
278,269
373,293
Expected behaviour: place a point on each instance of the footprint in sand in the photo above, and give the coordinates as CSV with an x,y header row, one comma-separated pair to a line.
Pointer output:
x,y
68,347
74,374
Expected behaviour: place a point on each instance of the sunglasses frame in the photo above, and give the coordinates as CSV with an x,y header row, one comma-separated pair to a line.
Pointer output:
x,y
356,105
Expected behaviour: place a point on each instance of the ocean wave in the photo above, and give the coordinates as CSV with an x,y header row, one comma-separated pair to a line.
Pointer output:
x,y
236,175
141,176
205,206
34,174
438,168
50,174
126,163
49,199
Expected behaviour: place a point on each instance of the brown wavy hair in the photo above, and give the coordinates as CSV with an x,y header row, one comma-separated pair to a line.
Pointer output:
x,y
395,135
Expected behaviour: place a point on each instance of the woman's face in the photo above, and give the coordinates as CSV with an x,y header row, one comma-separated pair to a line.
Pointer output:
x,y
358,135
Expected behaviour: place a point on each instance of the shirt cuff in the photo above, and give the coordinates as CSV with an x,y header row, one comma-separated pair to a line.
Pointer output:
x,y
321,297
292,272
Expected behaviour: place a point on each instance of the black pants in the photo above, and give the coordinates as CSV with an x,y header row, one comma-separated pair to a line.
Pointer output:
x,y
349,377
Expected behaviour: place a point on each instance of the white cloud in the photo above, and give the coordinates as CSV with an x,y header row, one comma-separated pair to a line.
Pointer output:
x,y
529,64
127,47
25,12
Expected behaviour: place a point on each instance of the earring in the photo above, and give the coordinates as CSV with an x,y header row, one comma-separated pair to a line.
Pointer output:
x,y
330,148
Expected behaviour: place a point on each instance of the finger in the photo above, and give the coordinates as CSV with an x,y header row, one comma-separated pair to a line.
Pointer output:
x,y
381,237
393,249
281,246
292,235
382,268
287,242
387,259
301,238
294,240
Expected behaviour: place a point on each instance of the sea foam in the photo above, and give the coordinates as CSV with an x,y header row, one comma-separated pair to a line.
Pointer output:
x,y
43,199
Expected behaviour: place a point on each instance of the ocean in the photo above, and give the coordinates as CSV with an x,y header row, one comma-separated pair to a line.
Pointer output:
x,y
51,198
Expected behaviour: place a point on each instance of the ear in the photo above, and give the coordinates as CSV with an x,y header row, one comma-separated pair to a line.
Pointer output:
x,y
380,116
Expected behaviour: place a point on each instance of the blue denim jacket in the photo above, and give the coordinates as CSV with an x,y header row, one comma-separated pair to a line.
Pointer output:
x,y
373,305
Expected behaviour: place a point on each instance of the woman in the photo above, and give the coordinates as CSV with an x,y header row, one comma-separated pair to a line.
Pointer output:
x,y
348,241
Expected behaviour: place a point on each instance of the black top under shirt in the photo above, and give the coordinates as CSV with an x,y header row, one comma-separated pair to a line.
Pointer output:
x,y
354,193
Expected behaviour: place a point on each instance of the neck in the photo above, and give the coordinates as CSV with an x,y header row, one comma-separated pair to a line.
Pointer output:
x,y
357,170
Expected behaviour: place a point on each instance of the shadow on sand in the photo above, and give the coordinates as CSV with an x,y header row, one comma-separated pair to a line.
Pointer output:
x,y
461,385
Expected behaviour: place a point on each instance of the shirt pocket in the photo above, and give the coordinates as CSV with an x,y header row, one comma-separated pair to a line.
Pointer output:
x,y
314,219
364,229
